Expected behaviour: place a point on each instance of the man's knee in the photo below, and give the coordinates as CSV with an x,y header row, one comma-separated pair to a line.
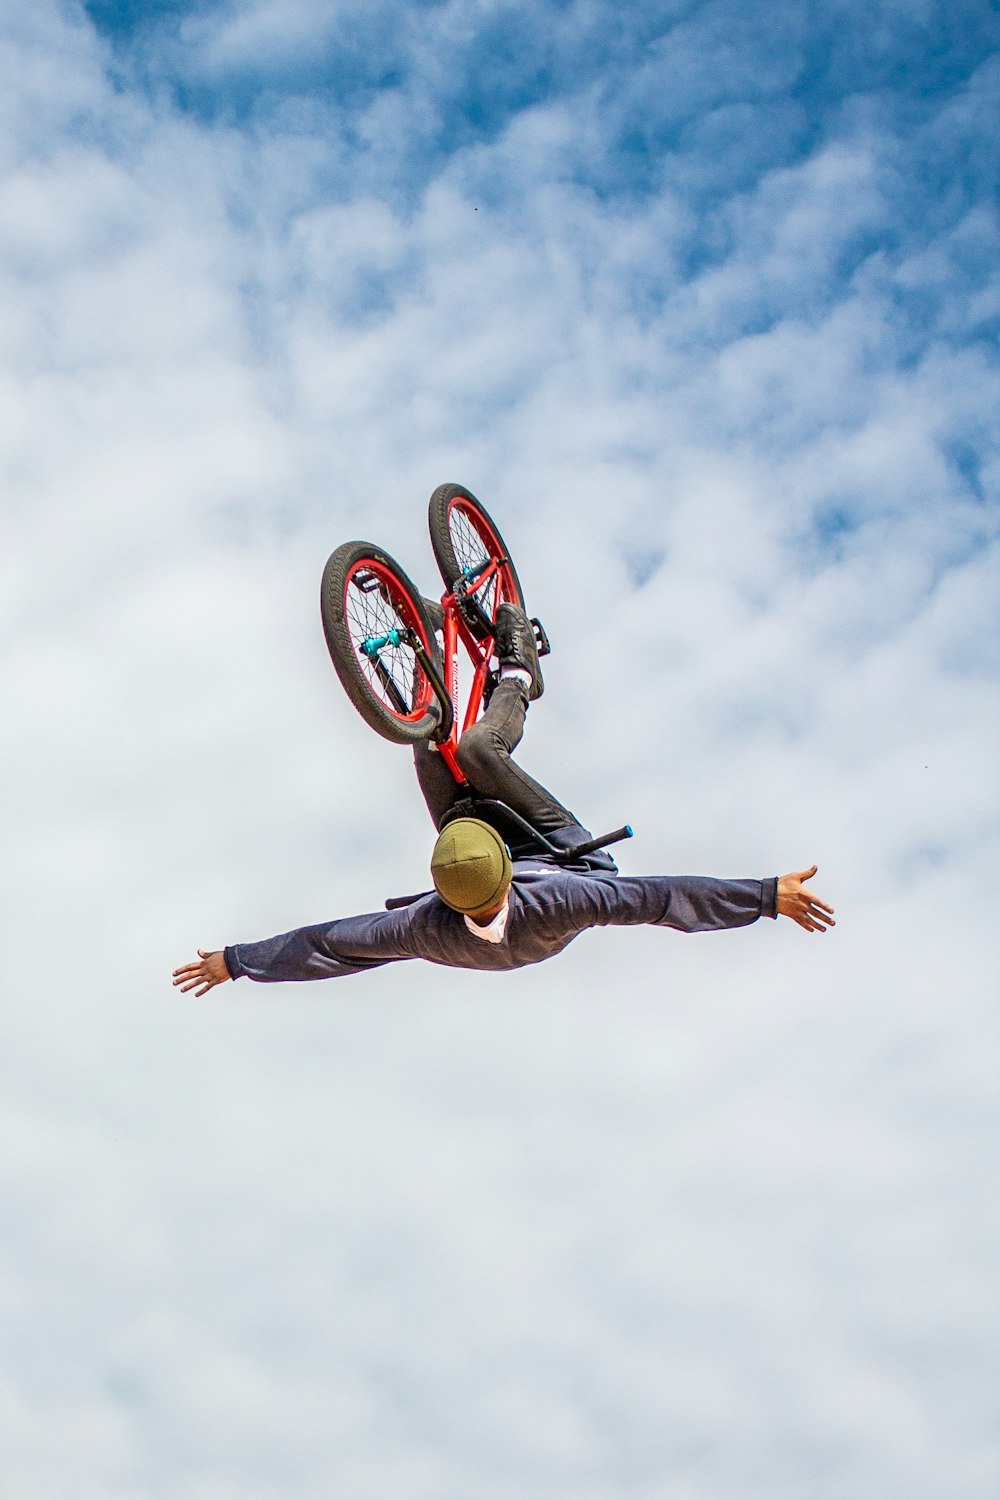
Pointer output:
x,y
478,750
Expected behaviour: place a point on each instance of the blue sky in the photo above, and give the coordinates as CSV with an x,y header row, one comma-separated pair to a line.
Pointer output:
x,y
704,304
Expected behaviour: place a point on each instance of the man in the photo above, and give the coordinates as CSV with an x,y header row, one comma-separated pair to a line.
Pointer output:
x,y
495,907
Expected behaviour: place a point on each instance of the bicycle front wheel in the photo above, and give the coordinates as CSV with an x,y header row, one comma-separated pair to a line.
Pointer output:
x,y
472,557
374,620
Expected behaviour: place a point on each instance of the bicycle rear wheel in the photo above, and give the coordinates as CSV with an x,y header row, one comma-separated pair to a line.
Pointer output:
x,y
472,557
374,620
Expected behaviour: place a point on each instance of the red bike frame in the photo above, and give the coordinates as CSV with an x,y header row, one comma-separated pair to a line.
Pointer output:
x,y
480,653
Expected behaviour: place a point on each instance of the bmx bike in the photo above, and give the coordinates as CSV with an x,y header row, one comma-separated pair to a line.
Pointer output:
x,y
384,644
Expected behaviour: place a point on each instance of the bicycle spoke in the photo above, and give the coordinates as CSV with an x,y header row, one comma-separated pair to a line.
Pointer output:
x,y
473,553
380,638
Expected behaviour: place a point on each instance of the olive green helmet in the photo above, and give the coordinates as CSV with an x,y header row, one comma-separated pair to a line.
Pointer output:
x,y
470,865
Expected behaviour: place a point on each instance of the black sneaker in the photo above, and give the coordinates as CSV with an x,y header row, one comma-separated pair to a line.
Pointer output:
x,y
515,645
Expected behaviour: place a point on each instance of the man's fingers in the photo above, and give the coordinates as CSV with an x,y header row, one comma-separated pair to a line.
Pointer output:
x,y
189,976
820,905
201,984
199,971
794,900
811,918
814,900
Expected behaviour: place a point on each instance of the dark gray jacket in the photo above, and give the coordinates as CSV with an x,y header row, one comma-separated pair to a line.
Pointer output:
x,y
549,907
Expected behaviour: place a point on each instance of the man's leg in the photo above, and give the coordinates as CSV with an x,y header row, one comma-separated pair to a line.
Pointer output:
x,y
440,789
438,786
484,754
484,751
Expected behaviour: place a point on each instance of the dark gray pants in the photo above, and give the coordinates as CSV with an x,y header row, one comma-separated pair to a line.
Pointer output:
x,y
484,754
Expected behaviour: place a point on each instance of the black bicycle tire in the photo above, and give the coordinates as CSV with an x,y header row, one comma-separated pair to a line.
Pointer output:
x,y
343,565
439,513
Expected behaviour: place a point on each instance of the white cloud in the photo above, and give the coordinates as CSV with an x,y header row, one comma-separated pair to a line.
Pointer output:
x,y
700,1216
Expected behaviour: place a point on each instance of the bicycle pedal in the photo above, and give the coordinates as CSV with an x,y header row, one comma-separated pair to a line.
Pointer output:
x,y
541,639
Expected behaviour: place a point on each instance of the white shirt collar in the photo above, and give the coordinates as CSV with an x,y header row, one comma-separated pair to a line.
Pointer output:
x,y
494,931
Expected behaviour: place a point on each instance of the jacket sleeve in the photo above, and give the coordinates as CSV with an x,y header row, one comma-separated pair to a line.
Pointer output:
x,y
329,950
687,903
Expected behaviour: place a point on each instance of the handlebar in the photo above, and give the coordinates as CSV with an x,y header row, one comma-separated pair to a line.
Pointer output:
x,y
579,850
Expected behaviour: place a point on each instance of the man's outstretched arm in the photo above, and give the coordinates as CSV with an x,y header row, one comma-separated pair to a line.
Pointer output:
x,y
687,903
800,904
327,950
203,975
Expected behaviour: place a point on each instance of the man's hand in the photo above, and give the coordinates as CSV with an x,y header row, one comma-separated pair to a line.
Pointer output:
x,y
801,905
202,976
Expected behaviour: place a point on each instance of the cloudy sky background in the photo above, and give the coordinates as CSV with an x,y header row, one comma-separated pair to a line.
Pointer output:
x,y
702,300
